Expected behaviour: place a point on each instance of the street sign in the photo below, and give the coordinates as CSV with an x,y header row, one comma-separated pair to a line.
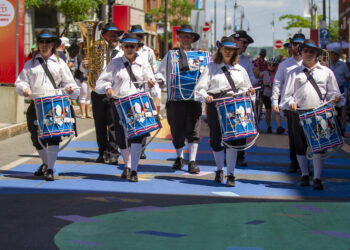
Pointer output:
x,y
278,44
206,27
324,36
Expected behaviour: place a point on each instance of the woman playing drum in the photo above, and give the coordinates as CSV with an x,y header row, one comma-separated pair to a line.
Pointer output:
x,y
34,80
116,81
212,84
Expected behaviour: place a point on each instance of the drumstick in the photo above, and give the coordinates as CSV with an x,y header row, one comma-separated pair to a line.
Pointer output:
x,y
143,82
234,94
47,90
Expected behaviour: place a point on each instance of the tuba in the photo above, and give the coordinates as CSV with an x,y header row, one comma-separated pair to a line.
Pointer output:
x,y
324,58
95,51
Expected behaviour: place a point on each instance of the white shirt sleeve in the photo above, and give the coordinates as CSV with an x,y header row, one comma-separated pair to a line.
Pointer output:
x,y
161,71
105,79
333,90
22,81
68,81
202,86
276,88
288,97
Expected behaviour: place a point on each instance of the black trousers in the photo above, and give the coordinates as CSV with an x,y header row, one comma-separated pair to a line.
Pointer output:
x,y
102,109
292,152
215,134
300,143
33,130
184,118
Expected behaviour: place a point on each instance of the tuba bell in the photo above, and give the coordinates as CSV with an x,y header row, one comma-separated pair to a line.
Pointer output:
x,y
324,58
96,51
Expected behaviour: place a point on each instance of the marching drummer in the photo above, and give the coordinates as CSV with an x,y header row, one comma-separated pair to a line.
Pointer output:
x,y
116,81
308,86
215,83
183,115
33,81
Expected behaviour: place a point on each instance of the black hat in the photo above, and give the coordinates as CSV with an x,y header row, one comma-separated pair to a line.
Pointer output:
x,y
137,29
297,38
226,42
308,43
242,34
47,34
185,28
129,38
112,27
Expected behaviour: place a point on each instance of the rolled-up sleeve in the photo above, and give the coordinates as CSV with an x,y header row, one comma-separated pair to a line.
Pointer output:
x,y
276,88
161,72
105,81
202,86
22,81
68,81
148,74
288,97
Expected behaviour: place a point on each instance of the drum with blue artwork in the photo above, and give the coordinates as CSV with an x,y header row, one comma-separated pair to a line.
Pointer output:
x,y
321,129
53,116
180,85
137,114
236,118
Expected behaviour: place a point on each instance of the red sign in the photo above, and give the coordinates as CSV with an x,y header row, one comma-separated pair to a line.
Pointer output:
x,y
278,44
206,27
8,48
121,17
175,28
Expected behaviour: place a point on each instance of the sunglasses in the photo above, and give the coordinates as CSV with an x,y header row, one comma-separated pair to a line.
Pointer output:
x,y
311,51
244,42
45,41
131,46
295,44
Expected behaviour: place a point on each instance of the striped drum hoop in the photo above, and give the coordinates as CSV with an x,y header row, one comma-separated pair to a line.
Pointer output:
x,y
180,85
321,129
137,114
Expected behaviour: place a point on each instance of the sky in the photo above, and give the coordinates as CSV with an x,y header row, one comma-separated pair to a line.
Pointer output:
x,y
259,15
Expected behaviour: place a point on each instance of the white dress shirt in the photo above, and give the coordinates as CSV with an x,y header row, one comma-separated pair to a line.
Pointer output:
x,y
148,54
214,81
33,77
279,81
247,64
116,76
299,90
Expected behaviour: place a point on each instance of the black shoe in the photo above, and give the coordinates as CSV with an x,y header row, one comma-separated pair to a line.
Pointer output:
x,y
317,185
49,175
113,159
241,163
126,173
230,180
100,158
133,177
178,164
280,130
305,181
143,156
41,170
219,176
193,168
269,130
293,167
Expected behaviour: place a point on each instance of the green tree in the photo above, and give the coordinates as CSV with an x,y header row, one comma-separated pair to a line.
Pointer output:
x,y
73,10
295,21
178,11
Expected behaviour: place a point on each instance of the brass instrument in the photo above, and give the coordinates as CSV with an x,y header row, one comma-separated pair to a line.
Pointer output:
x,y
96,52
324,58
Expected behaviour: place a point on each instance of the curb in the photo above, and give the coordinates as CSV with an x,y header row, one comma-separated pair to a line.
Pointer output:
x,y
20,128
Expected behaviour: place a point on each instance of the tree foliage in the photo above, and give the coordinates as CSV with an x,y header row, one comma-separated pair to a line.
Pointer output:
x,y
73,10
295,21
178,11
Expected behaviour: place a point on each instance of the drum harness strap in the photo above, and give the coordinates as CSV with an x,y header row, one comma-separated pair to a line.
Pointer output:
x,y
131,74
47,71
183,63
231,82
313,82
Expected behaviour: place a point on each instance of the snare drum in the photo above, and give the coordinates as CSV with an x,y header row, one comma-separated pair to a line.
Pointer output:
x,y
53,116
137,114
180,85
236,118
321,129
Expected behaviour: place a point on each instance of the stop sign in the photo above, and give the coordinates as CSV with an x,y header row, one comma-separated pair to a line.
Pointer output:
x,y
206,27
278,44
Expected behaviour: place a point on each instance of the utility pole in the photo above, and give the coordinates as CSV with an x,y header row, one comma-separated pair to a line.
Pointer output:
x,y
166,46
225,22
215,20
273,34
242,17
235,6
329,14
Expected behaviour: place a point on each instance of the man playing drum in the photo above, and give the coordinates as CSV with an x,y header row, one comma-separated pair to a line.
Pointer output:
x,y
34,81
302,94
213,83
116,81
183,115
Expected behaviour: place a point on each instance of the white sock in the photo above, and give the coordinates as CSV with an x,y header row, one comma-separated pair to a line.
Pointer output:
x,y
43,155
135,151
318,165
303,164
219,159
126,157
231,157
52,152
192,151
179,152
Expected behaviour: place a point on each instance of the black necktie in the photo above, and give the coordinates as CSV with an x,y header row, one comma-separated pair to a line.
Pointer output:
x,y
114,53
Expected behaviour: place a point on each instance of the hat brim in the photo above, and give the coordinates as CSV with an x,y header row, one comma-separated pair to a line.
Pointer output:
x,y
196,36
302,46
139,33
129,40
219,45
57,41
